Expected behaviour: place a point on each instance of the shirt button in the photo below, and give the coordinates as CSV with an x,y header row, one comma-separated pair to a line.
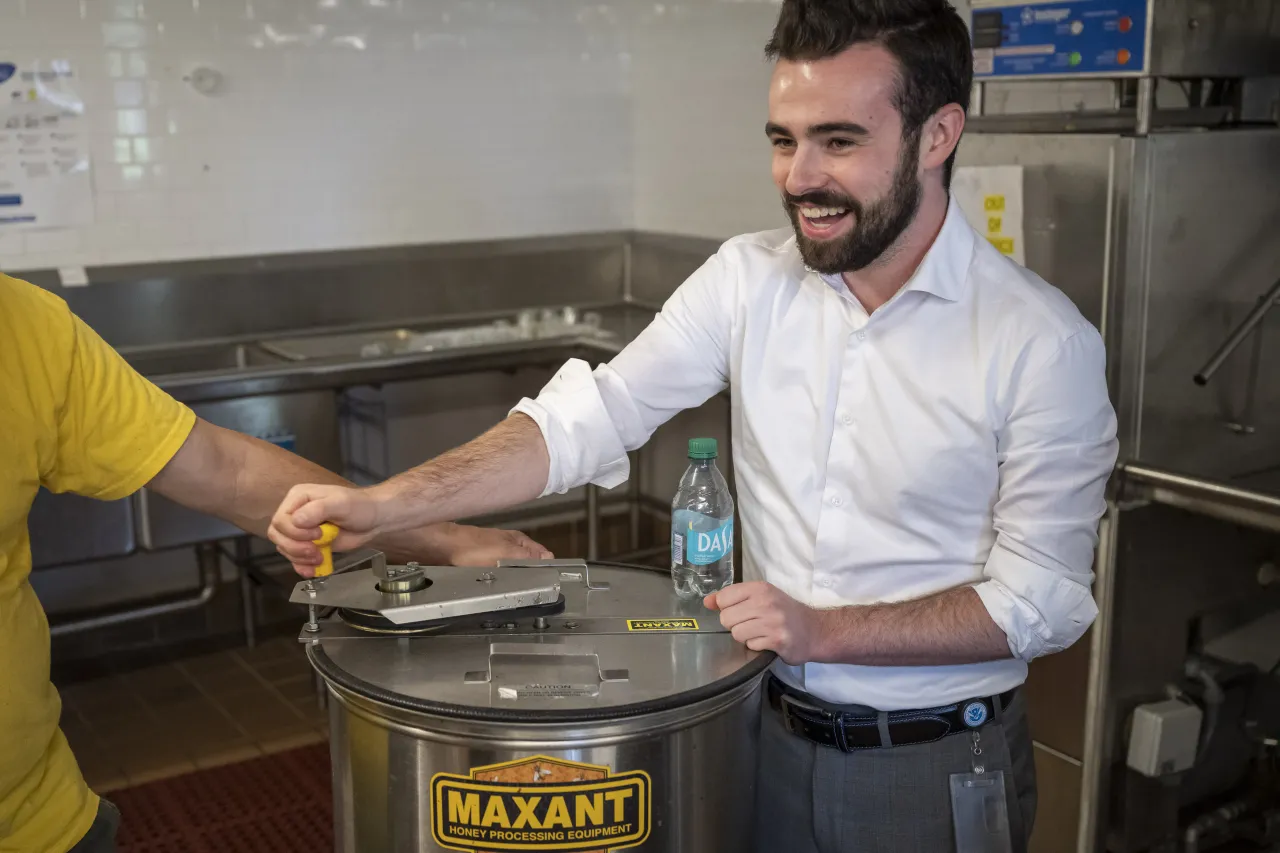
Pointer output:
x,y
837,501
847,418
862,336
826,582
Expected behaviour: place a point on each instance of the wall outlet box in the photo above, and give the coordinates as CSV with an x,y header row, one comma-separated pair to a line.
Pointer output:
x,y
1163,737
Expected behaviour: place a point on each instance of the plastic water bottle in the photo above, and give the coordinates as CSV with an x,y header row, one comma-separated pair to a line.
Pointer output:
x,y
701,525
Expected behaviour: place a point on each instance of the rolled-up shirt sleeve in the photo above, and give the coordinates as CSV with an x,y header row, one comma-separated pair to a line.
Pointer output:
x,y
1056,450
590,419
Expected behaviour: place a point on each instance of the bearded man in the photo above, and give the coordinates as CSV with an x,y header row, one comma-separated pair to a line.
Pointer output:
x,y
921,440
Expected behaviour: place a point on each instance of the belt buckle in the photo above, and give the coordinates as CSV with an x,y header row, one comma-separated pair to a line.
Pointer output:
x,y
790,706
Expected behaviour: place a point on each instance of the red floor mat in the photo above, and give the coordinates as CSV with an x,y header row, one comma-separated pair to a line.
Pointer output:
x,y
276,804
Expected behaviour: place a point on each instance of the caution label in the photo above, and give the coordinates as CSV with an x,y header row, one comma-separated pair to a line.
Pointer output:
x,y
662,624
540,803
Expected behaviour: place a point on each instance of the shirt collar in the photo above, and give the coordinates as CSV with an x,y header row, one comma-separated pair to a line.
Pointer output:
x,y
945,266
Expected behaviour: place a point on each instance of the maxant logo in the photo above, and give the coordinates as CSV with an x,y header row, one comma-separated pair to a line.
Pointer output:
x,y
540,803
662,624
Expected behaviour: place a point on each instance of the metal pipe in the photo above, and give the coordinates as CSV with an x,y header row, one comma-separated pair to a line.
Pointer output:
x,y
210,576
1218,820
636,494
1265,304
1094,761
1123,120
1146,105
1061,756
978,99
593,521
1206,497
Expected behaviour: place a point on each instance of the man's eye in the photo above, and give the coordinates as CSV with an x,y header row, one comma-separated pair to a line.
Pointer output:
x,y
779,142
842,144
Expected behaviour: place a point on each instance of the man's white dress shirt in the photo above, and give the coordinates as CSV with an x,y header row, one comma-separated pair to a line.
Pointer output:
x,y
960,435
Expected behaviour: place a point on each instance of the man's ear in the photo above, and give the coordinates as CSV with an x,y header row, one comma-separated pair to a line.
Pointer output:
x,y
940,136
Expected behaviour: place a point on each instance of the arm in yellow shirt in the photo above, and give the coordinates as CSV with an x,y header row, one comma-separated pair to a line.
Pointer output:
x,y
243,479
101,429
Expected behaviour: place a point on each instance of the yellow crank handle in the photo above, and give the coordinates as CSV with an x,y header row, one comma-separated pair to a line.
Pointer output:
x,y
328,533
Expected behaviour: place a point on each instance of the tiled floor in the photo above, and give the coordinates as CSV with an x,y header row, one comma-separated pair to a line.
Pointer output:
x,y
193,714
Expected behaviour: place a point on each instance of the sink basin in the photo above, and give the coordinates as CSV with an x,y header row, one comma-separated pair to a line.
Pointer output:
x,y
199,359
342,345
527,326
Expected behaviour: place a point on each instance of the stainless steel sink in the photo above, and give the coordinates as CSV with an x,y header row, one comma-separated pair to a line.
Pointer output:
x,y
199,359
528,325
341,345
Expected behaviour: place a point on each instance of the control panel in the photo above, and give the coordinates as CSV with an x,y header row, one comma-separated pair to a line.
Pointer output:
x,y
1067,38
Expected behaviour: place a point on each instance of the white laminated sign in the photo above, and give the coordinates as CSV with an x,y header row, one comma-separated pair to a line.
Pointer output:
x,y
44,147
991,198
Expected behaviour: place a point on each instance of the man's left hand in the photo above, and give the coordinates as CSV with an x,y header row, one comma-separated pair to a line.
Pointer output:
x,y
763,617
485,546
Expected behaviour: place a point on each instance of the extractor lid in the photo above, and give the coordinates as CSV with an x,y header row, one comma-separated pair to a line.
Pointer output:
x,y
625,645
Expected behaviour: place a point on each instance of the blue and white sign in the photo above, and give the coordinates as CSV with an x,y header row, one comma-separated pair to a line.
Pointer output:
x,y
1059,38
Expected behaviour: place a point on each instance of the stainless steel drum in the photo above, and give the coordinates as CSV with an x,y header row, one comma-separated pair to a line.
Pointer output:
x,y
544,706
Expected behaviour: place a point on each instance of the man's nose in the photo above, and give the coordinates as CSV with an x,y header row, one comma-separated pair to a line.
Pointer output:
x,y
805,174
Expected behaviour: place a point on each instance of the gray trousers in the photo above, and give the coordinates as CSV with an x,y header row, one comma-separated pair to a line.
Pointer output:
x,y
816,799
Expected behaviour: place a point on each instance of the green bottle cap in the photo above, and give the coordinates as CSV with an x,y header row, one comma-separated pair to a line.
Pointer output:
x,y
702,448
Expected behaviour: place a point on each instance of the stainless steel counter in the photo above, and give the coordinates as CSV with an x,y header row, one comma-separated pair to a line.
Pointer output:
x,y
256,344
240,383
234,367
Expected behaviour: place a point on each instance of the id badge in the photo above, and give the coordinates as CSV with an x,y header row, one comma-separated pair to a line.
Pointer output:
x,y
979,810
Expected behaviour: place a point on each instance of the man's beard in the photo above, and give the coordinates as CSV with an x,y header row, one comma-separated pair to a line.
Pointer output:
x,y
876,227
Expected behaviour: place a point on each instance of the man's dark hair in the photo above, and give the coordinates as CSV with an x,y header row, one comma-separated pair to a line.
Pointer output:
x,y
927,38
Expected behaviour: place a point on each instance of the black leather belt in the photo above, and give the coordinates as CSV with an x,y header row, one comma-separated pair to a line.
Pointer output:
x,y
848,732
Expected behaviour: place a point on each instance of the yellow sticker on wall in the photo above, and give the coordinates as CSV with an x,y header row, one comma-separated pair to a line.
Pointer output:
x,y
662,624
992,203
994,223
540,803
1003,244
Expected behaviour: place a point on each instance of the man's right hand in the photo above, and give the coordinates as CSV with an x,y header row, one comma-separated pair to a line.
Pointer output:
x,y
296,524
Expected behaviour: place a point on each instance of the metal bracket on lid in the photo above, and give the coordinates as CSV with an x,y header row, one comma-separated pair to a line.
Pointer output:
x,y
555,655
410,594
582,573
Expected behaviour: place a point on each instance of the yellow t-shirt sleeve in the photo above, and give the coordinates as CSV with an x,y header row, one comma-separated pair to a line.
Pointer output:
x,y
115,429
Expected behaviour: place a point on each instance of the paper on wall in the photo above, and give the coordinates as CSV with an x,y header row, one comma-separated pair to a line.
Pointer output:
x,y
44,146
991,198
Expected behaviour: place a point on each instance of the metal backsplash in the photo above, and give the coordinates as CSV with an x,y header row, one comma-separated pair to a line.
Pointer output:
x,y
659,263
161,304
1203,217
1067,183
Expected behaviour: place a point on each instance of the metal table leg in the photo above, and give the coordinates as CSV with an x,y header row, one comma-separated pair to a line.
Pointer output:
x,y
1094,760
593,522
635,500
247,591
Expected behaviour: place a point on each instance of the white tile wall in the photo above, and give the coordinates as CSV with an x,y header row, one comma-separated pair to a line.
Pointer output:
x,y
700,102
370,122
343,123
